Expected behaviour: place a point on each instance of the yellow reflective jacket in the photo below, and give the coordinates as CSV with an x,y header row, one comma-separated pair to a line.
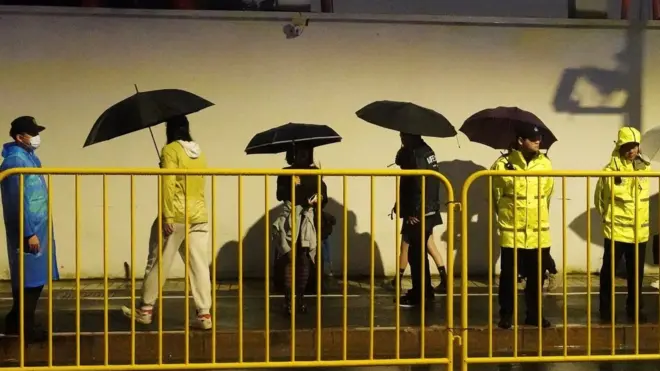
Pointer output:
x,y
631,198
183,155
532,196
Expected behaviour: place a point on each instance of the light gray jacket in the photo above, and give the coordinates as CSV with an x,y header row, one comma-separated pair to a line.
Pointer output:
x,y
306,231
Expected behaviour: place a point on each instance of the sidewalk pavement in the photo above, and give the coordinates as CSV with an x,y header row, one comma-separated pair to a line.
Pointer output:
x,y
358,318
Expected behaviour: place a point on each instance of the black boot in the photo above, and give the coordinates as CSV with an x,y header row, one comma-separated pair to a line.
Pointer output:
x,y
302,306
287,302
442,286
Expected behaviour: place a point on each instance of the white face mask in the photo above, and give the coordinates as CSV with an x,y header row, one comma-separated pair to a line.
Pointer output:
x,y
35,142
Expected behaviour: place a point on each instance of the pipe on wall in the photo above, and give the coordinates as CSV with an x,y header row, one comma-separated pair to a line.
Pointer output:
x,y
327,6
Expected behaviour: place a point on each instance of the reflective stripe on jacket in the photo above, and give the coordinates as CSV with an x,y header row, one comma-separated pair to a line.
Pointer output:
x,y
631,197
532,196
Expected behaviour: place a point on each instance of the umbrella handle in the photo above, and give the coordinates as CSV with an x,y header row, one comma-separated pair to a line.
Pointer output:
x,y
155,145
150,131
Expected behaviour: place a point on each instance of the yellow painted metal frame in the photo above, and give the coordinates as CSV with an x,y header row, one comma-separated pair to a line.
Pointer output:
x,y
240,173
540,357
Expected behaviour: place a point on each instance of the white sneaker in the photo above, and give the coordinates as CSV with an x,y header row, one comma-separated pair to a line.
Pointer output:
x,y
142,315
655,284
203,322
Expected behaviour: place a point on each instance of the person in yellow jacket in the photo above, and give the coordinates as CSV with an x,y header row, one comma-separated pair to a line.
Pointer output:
x,y
527,233
630,228
181,152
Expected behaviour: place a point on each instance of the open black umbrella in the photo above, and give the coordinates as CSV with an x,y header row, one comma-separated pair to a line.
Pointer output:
x,y
408,118
144,110
285,137
497,127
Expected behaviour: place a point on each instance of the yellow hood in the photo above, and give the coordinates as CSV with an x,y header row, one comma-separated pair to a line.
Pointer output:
x,y
626,134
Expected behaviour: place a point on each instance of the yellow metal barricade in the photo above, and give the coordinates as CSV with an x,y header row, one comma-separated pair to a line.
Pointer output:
x,y
563,342
241,348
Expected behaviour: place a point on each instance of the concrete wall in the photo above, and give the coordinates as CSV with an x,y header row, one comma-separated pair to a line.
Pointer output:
x,y
66,69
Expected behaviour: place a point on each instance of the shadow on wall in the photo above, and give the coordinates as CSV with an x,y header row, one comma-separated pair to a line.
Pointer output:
x,y
359,248
457,172
594,90
579,226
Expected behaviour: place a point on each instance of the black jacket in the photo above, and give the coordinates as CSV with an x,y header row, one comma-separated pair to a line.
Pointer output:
x,y
307,187
421,157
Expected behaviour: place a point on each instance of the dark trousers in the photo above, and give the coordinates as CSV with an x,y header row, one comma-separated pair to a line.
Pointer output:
x,y
12,320
528,267
627,251
415,255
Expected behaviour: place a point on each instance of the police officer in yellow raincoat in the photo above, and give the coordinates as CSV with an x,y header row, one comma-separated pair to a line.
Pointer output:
x,y
528,232
630,228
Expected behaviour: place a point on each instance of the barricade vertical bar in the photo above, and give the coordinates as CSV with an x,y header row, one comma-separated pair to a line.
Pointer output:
x,y
21,269
450,274
397,238
564,259
588,269
214,273
422,271
160,269
344,350
240,269
49,184
267,227
106,294
637,278
372,264
515,267
292,263
612,268
319,265
186,300
539,252
76,190
132,206
464,276
490,266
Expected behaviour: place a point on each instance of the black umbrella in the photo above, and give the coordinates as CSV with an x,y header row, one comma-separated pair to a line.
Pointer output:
x,y
497,127
408,118
144,110
285,137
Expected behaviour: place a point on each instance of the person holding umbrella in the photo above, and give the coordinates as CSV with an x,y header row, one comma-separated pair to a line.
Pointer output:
x,y
625,222
430,244
418,156
412,122
298,142
307,199
20,153
180,152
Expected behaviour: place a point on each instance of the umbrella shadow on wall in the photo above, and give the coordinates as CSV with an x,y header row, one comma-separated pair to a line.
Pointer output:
x,y
579,226
359,248
595,90
457,172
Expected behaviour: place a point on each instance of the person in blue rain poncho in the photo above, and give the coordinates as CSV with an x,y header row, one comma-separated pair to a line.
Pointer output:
x,y
20,154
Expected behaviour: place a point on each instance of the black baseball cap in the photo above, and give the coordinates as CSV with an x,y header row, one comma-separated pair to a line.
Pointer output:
x,y
528,132
25,125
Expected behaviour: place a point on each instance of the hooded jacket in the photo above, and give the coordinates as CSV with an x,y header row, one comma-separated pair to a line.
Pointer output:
x,y
532,202
35,217
631,197
183,155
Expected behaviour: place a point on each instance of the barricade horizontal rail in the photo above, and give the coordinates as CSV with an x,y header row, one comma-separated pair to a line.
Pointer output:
x,y
518,204
197,350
